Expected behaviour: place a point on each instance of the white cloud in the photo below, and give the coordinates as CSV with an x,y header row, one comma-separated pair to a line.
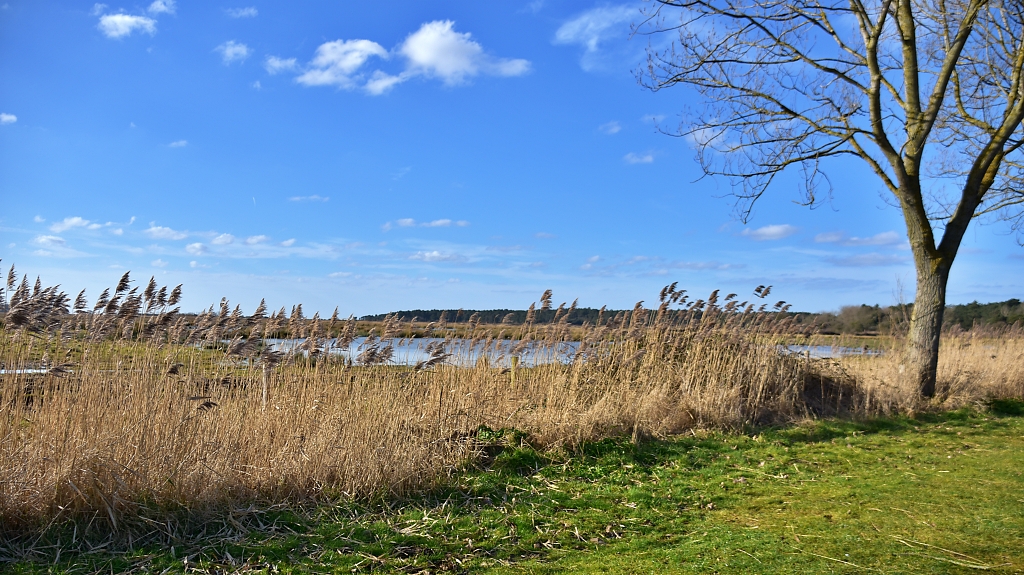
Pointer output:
x,y
336,62
162,233
95,226
49,241
121,25
610,128
274,65
196,249
339,274
773,232
882,239
247,12
8,118
39,219
436,256
462,223
313,198
253,240
158,263
69,223
544,236
438,223
593,259
437,50
257,86
632,158
592,28
117,231
406,222
223,240
178,144
162,7
98,9
288,243
232,51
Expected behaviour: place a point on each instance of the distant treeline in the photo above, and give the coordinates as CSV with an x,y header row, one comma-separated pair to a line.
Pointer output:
x,y
862,319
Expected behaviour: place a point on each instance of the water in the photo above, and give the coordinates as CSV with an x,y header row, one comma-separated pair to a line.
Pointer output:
x,y
464,352
828,351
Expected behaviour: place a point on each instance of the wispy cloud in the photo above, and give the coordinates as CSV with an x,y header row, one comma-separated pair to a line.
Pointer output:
x,y
232,51
313,198
69,223
178,144
288,243
882,239
8,118
768,233
121,25
439,223
633,158
247,12
275,65
868,260
610,128
594,27
223,240
164,233
253,240
158,263
437,256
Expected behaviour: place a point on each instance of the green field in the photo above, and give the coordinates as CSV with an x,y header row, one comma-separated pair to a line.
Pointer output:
x,y
939,493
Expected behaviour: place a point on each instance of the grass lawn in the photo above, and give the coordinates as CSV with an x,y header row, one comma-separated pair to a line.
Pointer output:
x,y
941,493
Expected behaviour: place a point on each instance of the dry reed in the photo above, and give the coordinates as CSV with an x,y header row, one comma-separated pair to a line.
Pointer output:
x,y
129,412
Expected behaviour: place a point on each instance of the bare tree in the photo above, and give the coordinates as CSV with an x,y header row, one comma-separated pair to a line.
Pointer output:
x,y
928,93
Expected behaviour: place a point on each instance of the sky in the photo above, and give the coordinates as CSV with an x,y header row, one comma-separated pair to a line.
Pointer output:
x,y
406,155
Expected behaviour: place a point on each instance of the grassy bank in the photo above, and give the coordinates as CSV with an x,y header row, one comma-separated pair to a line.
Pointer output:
x,y
939,493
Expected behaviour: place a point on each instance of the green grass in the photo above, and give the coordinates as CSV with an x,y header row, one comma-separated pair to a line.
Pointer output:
x,y
942,493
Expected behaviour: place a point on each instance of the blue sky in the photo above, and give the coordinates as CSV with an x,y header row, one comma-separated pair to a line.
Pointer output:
x,y
404,155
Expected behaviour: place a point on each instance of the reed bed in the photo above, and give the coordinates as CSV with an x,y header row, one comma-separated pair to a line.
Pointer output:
x,y
125,414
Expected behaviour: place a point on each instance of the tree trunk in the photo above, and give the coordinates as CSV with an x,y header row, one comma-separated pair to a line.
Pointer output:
x,y
926,323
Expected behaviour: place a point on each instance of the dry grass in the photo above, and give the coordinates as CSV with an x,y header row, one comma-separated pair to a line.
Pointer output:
x,y
141,415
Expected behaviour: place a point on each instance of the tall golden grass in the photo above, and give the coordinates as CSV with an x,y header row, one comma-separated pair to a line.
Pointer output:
x,y
132,413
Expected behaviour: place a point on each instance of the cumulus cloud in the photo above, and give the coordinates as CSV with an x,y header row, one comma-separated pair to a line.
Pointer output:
x,y
178,144
162,7
8,118
158,263
335,63
223,240
632,158
247,12
313,198
435,50
288,243
232,51
881,239
253,240
773,232
121,25
163,233
69,223
196,249
592,28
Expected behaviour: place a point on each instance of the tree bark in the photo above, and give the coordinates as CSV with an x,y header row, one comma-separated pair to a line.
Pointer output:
x,y
926,322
